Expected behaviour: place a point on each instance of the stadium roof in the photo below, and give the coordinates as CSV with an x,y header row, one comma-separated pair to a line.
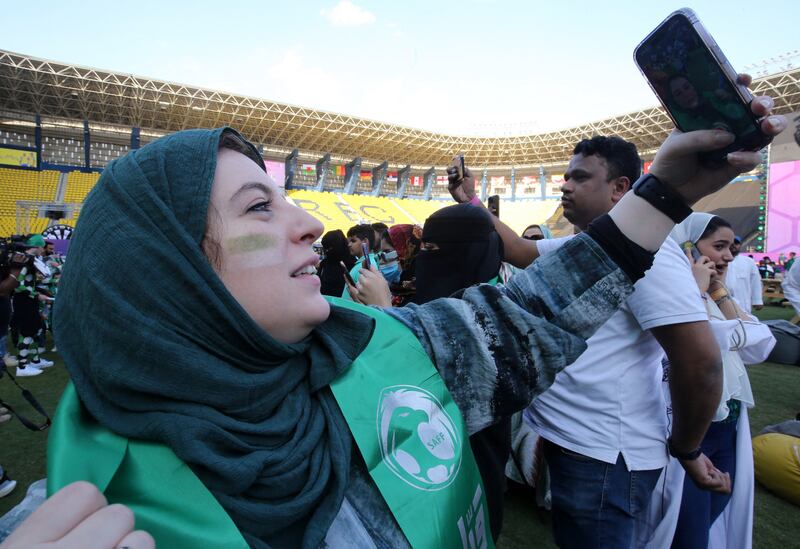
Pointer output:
x,y
50,88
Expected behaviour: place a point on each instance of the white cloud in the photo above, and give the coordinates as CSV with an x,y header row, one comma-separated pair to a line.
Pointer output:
x,y
347,14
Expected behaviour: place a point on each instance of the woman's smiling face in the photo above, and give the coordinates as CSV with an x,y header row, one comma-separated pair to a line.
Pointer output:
x,y
263,249
717,247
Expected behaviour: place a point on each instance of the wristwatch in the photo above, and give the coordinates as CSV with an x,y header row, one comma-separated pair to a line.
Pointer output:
x,y
687,456
661,197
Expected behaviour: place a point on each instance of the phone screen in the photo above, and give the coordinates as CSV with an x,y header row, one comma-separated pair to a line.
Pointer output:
x,y
692,85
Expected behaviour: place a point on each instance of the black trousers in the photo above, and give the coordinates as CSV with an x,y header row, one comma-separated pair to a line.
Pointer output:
x,y
28,322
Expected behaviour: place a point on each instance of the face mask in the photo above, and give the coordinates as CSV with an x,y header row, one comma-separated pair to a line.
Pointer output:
x,y
388,266
391,273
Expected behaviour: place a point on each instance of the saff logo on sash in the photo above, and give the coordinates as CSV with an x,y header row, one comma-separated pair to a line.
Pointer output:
x,y
418,439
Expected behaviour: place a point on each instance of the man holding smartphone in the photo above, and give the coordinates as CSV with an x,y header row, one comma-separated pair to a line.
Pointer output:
x,y
360,242
604,417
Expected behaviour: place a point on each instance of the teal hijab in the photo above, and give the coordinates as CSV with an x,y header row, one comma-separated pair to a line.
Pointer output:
x,y
159,350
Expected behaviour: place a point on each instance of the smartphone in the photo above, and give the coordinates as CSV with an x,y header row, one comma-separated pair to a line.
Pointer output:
x,y
696,84
365,250
695,253
347,276
493,203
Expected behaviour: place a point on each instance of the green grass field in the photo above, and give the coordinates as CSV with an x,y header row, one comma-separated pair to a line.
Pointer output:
x,y
776,388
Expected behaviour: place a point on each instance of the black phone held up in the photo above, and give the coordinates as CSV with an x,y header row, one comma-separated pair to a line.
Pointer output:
x,y
365,250
696,84
347,276
458,163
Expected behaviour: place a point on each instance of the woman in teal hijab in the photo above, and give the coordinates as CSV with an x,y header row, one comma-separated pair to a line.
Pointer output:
x,y
216,353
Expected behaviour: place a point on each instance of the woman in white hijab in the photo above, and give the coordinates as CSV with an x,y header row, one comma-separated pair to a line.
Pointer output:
x,y
680,512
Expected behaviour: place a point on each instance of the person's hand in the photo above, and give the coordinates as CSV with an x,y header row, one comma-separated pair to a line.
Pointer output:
x,y
706,476
703,270
677,164
717,280
462,189
4,415
41,297
371,288
17,261
78,517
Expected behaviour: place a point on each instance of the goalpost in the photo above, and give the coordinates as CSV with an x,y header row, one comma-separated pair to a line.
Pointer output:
x,y
30,211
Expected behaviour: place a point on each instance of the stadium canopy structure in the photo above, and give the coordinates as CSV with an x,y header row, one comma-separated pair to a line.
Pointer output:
x,y
50,88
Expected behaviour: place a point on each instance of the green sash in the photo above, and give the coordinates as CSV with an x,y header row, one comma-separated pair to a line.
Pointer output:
x,y
420,459
167,498
409,431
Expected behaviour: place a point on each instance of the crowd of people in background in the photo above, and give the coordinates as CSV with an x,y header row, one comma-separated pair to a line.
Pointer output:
x,y
606,416
27,291
619,350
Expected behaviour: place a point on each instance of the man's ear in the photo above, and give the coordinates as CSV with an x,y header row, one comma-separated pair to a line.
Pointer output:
x,y
620,186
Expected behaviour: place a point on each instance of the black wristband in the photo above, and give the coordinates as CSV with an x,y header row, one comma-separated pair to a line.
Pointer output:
x,y
661,197
688,456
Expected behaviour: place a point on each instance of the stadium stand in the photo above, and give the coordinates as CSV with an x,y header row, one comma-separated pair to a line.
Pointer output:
x,y
53,104
735,203
377,209
16,185
520,214
338,211
62,150
16,138
78,185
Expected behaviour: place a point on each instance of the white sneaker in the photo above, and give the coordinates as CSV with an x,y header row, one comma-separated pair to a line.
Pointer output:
x,y
42,363
54,349
11,361
7,486
28,371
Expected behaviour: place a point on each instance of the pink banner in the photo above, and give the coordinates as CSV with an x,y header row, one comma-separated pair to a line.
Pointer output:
x,y
783,208
277,171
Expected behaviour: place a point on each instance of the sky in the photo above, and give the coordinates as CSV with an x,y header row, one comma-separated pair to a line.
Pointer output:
x,y
486,67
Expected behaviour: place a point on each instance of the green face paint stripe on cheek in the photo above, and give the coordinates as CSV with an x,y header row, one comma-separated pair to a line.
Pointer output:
x,y
249,243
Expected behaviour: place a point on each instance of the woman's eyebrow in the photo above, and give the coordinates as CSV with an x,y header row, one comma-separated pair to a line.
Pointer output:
x,y
257,185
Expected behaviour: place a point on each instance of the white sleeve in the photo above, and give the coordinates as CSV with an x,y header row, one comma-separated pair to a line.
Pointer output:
x,y
668,293
755,285
550,245
791,287
758,342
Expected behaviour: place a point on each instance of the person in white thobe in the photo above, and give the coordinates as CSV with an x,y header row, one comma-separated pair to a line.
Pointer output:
x,y
791,287
743,280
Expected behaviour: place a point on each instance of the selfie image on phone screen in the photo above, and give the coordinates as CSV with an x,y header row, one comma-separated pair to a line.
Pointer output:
x,y
691,83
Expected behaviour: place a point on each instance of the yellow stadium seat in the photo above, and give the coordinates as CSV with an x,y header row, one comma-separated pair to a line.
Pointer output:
x,y
17,185
79,184
520,214
417,211
337,211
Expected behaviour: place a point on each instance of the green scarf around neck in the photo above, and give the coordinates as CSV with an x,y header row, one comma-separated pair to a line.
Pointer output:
x,y
158,349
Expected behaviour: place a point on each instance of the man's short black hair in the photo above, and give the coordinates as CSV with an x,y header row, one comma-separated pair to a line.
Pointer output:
x,y
621,156
364,232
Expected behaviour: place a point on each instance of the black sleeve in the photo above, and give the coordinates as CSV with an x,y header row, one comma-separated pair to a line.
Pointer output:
x,y
629,256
